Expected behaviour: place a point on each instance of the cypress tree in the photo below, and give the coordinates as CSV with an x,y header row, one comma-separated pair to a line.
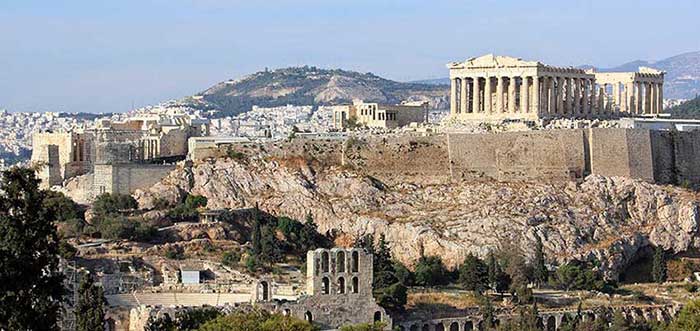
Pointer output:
x,y
541,274
89,310
659,265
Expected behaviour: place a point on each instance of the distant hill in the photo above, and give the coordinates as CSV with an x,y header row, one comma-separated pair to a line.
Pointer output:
x,y
311,86
688,109
682,74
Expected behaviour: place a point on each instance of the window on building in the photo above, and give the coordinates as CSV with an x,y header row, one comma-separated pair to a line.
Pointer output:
x,y
340,261
308,317
341,285
355,285
325,262
325,285
355,263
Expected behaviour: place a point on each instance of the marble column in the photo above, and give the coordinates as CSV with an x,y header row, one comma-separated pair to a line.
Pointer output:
x,y
536,94
453,96
594,100
638,97
464,107
629,97
586,97
512,82
560,95
475,95
570,96
660,98
499,95
551,95
487,95
601,99
652,98
616,96
525,95
577,96
647,98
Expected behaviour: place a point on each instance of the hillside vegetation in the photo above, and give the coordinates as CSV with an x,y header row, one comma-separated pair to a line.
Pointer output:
x,y
311,86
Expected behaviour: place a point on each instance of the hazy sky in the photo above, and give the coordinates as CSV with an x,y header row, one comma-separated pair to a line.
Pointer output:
x,y
102,56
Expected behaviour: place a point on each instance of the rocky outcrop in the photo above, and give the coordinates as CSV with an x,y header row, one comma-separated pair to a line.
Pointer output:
x,y
607,219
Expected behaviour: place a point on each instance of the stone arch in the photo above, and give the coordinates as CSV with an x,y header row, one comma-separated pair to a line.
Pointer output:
x,y
355,261
286,312
308,317
454,326
480,325
325,262
325,285
540,323
265,287
402,328
377,316
340,261
468,326
355,285
440,327
551,323
341,285
426,327
413,327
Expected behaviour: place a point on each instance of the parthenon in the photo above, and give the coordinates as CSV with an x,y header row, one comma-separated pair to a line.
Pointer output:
x,y
500,87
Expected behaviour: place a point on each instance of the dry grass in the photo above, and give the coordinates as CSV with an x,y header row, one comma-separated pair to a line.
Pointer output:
x,y
456,299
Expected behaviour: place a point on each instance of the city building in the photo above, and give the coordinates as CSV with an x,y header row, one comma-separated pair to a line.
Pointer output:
x,y
375,115
500,87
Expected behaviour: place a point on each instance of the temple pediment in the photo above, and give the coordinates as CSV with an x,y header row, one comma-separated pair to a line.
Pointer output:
x,y
494,61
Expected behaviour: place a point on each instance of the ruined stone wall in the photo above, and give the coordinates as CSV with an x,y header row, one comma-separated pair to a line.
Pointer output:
x,y
174,142
654,156
388,158
622,152
531,155
126,178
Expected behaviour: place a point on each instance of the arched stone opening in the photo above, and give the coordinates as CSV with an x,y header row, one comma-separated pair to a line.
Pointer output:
x,y
540,323
308,317
340,261
468,326
325,285
355,265
286,312
551,323
325,262
341,285
355,285
440,327
426,327
264,287
377,316
413,328
454,326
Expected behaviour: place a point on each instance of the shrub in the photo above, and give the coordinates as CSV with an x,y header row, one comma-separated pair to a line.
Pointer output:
x,y
174,253
691,287
231,258
195,201
66,250
430,271
112,203
376,326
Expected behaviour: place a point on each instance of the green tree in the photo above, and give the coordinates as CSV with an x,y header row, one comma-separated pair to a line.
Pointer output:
x,y
384,273
108,203
688,319
473,274
366,242
256,236
195,201
487,313
256,321
66,250
376,326
62,206
230,258
540,272
403,274
659,265
89,310
191,319
31,289
430,271
393,297
619,322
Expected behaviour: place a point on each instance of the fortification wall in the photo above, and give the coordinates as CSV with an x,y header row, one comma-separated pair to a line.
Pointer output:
x,y
655,156
621,152
126,178
531,155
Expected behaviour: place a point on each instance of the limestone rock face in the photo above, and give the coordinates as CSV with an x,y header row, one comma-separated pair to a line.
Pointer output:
x,y
607,219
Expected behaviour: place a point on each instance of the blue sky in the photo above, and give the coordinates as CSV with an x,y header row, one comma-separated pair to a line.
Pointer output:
x,y
102,56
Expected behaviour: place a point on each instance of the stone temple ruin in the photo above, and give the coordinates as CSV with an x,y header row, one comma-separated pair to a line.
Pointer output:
x,y
121,155
495,88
